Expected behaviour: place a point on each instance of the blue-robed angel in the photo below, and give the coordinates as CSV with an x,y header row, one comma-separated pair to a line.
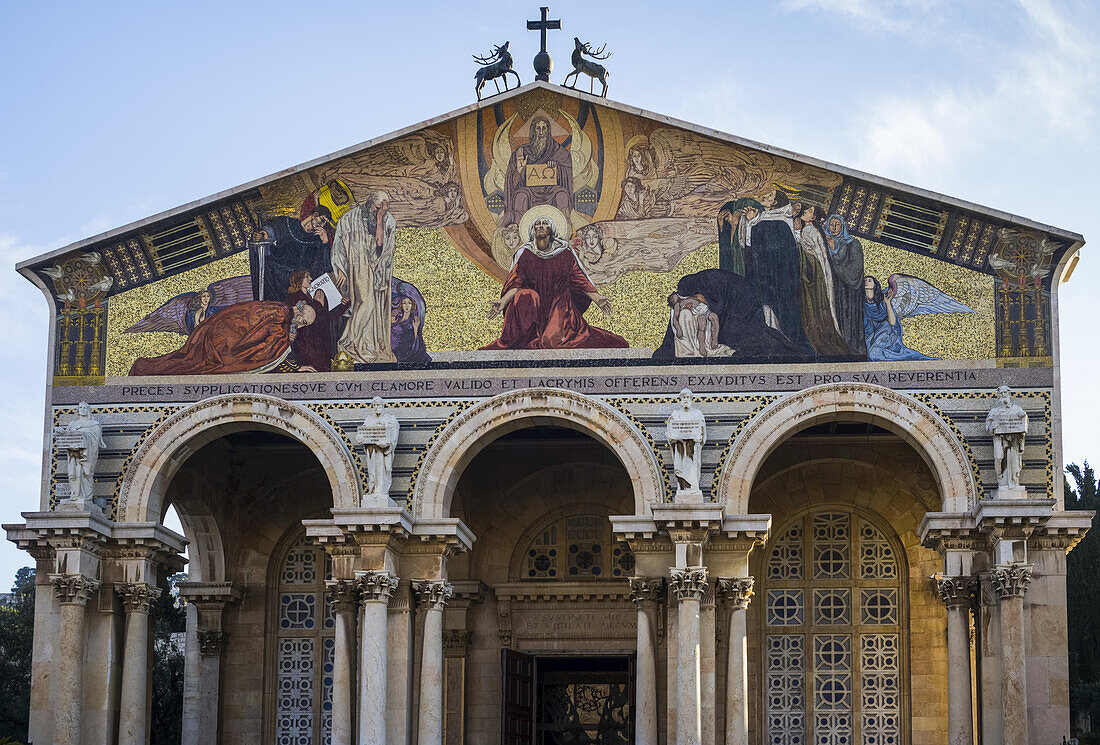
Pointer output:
x,y
183,313
906,297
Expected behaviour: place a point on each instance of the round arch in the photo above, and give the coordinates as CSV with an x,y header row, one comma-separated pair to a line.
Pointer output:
x,y
161,454
488,420
902,415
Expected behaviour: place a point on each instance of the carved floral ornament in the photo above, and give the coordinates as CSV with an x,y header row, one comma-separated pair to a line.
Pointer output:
x,y
956,591
434,594
647,590
375,586
1011,580
73,588
736,591
689,583
137,597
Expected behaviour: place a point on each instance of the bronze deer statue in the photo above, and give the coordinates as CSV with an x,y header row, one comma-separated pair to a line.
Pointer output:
x,y
592,69
495,65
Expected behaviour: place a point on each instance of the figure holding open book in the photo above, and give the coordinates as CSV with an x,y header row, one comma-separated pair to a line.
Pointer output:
x,y
315,344
81,440
378,437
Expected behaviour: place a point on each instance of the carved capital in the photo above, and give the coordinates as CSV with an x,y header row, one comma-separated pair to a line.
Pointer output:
x,y
736,591
345,594
137,597
375,586
646,592
73,588
433,593
689,583
456,642
212,643
956,591
1011,580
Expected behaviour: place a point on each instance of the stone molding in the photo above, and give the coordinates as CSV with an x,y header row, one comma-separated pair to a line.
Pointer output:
x,y
162,452
456,642
956,592
1011,580
647,592
213,643
73,589
375,586
455,445
433,593
736,592
137,597
344,593
689,583
901,414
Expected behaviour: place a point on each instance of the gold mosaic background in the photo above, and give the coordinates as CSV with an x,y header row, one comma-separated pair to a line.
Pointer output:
x,y
127,308
948,336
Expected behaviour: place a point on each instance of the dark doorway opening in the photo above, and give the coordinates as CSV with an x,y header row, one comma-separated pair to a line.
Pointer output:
x,y
558,700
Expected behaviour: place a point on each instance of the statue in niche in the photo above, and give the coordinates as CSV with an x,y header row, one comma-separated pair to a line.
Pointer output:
x,y
1007,422
686,432
378,437
81,440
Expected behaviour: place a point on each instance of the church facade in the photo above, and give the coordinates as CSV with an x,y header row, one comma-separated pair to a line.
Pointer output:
x,y
551,420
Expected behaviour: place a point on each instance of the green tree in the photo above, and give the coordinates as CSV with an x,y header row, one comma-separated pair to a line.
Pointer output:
x,y
16,644
1083,588
167,715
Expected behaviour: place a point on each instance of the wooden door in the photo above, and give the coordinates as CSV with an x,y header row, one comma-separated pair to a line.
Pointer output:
x,y
518,710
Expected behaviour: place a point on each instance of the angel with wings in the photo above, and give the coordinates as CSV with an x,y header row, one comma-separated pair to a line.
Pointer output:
x,y
906,296
183,313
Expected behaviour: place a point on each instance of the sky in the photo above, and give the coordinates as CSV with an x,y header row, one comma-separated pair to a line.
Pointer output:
x,y
113,112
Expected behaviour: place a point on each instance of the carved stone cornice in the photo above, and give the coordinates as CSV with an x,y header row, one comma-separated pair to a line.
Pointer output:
x,y
956,592
213,643
345,594
647,592
1011,580
456,642
689,583
433,593
375,586
736,592
137,597
73,589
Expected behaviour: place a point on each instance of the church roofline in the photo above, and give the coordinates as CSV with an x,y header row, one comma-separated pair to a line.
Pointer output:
x,y
1077,239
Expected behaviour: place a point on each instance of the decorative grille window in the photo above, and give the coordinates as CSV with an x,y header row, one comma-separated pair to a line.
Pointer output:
x,y
304,648
576,547
833,635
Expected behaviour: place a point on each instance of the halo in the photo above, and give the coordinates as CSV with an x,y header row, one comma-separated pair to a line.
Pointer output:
x,y
561,225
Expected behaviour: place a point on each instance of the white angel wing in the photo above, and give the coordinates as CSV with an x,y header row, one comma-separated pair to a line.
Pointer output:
x,y
585,170
502,153
915,297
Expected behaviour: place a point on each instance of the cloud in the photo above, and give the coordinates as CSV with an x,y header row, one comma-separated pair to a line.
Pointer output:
x,y
894,16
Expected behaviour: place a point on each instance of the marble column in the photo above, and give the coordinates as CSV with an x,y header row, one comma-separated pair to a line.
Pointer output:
x,y
212,644
432,595
737,593
646,593
688,584
133,723
375,590
345,595
957,594
1010,582
73,592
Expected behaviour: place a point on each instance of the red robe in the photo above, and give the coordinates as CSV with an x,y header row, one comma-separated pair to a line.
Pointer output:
x,y
547,310
243,337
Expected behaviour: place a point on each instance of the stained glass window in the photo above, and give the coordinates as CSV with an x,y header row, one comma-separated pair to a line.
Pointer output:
x,y
832,637
576,547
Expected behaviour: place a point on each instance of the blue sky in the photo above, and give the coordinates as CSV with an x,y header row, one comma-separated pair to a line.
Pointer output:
x,y
116,111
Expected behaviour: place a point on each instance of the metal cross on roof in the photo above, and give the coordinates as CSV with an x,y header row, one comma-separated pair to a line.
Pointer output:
x,y
543,64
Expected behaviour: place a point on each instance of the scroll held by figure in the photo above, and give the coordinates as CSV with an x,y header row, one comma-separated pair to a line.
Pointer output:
x,y
81,440
686,433
1007,422
377,435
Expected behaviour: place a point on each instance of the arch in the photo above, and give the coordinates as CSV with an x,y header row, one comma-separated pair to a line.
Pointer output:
x,y
492,418
902,415
161,454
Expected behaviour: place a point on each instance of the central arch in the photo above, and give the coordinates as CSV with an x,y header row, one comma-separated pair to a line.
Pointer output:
x,y
164,450
479,425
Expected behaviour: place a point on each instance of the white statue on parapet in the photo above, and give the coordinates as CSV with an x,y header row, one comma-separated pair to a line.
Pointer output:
x,y
686,433
81,440
1007,422
378,437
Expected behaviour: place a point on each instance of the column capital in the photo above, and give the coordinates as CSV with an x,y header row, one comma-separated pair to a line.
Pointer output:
x,y
73,589
647,591
1011,580
345,594
736,591
689,583
955,592
137,597
433,592
456,642
212,643
375,586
